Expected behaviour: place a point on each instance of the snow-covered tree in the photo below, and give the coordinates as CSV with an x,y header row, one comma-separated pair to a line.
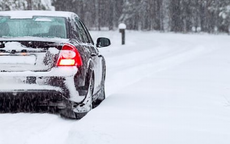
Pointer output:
x,y
26,5
164,15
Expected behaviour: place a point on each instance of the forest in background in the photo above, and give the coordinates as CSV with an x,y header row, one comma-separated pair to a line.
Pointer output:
x,y
211,16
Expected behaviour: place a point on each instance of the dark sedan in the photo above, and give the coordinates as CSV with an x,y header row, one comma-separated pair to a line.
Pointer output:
x,y
48,60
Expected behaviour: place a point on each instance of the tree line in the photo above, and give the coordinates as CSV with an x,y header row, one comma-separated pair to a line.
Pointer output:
x,y
161,15
6,5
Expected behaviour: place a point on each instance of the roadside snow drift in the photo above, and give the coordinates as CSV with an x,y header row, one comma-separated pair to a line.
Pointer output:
x,y
161,89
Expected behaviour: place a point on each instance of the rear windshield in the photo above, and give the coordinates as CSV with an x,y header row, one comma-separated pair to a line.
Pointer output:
x,y
51,27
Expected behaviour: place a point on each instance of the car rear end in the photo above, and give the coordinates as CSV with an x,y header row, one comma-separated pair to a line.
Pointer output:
x,y
37,63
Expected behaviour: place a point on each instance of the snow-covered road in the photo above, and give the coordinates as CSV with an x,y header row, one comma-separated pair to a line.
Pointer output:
x,y
161,89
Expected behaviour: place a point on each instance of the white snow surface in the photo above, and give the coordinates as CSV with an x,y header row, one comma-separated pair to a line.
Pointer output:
x,y
162,88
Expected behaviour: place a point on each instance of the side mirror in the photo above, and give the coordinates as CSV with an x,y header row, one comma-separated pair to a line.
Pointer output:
x,y
103,42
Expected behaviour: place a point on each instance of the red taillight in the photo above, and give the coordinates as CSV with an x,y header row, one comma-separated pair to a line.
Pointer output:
x,y
69,56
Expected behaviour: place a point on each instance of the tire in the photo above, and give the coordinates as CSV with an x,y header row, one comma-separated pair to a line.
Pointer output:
x,y
90,101
98,101
70,113
102,90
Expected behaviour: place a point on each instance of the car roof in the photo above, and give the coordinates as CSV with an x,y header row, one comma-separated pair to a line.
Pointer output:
x,y
30,14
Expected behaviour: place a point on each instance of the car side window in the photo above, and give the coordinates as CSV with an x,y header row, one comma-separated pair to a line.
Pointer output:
x,y
76,31
87,32
81,31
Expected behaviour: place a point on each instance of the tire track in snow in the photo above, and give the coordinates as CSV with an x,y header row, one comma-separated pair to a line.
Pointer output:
x,y
146,66
53,133
149,53
33,129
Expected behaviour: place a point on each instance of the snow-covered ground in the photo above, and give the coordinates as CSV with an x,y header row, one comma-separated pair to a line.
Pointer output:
x,y
161,89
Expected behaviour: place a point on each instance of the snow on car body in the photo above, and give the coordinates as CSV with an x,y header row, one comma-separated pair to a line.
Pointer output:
x,y
50,58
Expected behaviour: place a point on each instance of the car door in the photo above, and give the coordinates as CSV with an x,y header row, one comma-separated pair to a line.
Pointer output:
x,y
95,56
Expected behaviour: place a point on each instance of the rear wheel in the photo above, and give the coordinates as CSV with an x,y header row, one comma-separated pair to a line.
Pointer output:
x,y
88,102
102,90
100,98
78,111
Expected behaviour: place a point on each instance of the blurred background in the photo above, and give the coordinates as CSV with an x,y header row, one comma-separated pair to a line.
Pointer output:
x,y
212,16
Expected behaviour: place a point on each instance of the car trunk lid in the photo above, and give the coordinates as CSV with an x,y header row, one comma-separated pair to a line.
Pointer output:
x,y
28,55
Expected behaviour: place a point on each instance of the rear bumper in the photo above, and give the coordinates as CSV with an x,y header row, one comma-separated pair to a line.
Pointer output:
x,y
32,101
58,82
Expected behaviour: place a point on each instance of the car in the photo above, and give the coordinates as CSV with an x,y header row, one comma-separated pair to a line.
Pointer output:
x,y
49,62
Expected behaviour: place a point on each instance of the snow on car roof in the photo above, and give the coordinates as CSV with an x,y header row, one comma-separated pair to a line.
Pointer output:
x,y
30,14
